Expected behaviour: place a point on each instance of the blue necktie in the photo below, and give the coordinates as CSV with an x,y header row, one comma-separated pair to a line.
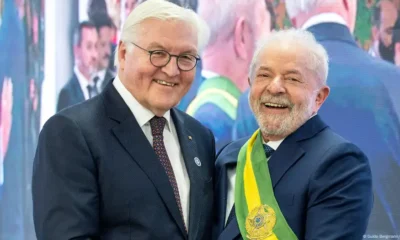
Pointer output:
x,y
268,150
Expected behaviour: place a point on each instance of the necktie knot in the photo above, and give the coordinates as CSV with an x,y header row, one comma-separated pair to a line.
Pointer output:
x,y
268,150
157,125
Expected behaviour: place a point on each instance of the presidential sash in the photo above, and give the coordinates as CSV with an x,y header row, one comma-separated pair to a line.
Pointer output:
x,y
257,211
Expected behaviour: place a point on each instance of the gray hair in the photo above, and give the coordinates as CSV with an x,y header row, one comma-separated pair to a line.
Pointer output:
x,y
164,10
317,60
295,7
221,14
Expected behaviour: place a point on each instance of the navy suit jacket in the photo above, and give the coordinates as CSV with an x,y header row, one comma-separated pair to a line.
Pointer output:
x,y
321,182
96,176
361,109
71,94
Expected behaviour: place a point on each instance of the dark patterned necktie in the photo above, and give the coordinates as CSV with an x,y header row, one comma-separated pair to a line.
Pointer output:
x,y
268,152
92,89
157,127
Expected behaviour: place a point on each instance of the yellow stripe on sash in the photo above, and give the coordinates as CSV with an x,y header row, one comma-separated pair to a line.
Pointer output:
x,y
250,184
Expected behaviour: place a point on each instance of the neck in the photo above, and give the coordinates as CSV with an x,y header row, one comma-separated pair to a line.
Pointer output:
x,y
268,138
221,59
84,72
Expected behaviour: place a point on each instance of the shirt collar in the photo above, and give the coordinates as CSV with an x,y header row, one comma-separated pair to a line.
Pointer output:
x,y
142,114
102,74
323,18
274,144
83,81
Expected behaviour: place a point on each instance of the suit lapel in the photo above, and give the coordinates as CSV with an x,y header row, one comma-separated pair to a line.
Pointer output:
x,y
189,151
290,150
132,138
221,192
231,231
287,154
77,90
108,78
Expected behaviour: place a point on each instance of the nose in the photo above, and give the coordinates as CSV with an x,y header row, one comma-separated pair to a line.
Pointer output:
x,y
95,55
171,69
276,86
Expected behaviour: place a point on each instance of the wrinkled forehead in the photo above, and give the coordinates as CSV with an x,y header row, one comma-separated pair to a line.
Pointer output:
x,y
168,33
283,57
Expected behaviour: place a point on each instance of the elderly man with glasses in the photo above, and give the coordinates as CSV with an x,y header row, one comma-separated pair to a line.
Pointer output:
x,y
126,164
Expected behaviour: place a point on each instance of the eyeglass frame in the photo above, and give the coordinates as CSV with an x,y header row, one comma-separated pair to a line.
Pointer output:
x,y
170,56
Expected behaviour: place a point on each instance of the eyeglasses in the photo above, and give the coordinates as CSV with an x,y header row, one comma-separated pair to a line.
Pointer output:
x,y
160,58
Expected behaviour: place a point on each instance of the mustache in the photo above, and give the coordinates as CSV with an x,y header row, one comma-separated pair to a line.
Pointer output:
x,y
281,100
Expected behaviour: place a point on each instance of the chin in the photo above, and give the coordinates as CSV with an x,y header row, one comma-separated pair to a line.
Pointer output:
x,y
164,106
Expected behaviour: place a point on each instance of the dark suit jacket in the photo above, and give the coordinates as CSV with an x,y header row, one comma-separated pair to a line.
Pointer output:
x,y
70,94
96,176
361,109
107,78
321,182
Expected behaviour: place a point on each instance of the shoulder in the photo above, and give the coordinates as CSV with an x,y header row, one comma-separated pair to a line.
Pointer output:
x,y
85,113
328,146
70,85
230,152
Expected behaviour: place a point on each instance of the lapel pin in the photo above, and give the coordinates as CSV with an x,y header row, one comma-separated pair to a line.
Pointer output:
x,y
190,137
197,161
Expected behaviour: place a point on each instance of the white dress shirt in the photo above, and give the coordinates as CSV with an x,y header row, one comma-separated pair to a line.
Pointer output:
x,y
84,82
232,179
171,141
324,18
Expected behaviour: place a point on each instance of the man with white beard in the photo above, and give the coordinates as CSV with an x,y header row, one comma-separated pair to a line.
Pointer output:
x,y
294,178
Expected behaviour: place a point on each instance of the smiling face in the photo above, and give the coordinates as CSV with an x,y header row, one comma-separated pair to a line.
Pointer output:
x,y
284,93
158,88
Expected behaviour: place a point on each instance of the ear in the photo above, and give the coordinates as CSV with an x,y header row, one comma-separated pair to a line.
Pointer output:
x,y
249,81
321,97
241,38
122,50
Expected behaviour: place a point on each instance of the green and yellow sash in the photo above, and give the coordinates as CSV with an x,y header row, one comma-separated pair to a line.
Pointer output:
x,y
257,210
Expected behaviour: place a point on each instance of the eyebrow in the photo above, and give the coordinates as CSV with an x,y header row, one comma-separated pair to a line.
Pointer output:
x,y
190,50
264,68
294,71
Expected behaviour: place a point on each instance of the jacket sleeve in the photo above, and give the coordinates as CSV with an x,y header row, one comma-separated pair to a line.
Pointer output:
x,y
340,195
64,185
